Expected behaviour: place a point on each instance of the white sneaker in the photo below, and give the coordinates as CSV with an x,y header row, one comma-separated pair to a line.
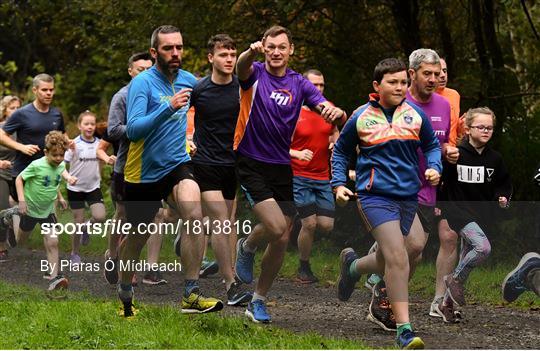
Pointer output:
x,y
434,310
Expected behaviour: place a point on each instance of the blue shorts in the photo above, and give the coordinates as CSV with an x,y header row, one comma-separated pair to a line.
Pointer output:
x,y
312,196
376,210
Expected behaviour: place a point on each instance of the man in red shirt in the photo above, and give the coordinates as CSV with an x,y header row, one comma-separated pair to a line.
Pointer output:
x,y
310,150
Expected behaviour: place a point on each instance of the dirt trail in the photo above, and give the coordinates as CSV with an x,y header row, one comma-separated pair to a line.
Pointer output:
x,y
316,309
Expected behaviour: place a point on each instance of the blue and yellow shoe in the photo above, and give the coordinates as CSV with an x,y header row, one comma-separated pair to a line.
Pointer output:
x,y
197,303
346,283
126,297
514,283
256,311
409,341
128,310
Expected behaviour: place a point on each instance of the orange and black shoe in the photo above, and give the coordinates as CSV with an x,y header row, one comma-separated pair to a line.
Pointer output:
x,y
380,310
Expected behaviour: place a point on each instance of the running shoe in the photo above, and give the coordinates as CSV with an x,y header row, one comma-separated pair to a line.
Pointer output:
x,y
256,311
111,269
447,311
154,278
434,308
4,256
197,303
409,341
345,283
237,295
85,237
57,283
208,268
514,283
306,276
380,309
455,289
75,259
177,243
126,296
47,275
244,263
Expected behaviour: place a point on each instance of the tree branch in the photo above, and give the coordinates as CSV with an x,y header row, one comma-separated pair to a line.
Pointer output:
x,y
529,19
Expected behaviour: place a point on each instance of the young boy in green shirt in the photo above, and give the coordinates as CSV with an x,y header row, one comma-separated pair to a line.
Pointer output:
x,y
37,189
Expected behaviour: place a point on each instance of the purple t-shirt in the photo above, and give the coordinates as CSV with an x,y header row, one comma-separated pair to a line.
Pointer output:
x,y
269,110
437,111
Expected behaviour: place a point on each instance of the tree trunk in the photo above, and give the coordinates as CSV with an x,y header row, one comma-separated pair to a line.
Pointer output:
x,y
405,14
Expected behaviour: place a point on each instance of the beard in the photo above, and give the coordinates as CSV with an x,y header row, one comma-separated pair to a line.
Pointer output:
x,y
165,67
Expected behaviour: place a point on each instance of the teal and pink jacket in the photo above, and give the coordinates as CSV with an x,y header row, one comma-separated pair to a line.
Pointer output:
x,y
387,164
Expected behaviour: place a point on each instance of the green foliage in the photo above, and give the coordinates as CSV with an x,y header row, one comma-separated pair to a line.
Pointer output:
x,y
7,71
86,46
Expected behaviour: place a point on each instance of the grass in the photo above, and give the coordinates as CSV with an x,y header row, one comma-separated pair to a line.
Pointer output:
x,y
31,321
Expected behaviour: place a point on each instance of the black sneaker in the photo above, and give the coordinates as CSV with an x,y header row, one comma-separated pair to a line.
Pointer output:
x,y
111,270
208,268
126,296
237,295
154,278
447,311
380,310
345,283
57,283
306,276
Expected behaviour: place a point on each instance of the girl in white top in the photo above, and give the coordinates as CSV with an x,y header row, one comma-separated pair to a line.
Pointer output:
x,y
84,164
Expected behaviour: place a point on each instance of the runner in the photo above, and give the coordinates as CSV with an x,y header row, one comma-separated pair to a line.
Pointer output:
x,y
158,100
83,164
479,178
8,105
30,124
37,188
448,249
216,102
389,130
271,98
116,133
310,153
424,70
453,98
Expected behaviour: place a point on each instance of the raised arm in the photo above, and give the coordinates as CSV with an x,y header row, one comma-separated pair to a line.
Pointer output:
x,y
244,65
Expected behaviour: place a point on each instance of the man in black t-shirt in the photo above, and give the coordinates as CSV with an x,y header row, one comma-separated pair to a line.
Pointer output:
x,y
216,101
32,123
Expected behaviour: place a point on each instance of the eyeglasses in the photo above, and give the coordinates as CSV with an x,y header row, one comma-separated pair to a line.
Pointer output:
x,y
483,128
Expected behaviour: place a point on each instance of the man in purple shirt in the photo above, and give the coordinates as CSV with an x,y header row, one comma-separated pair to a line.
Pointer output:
x,y
271,97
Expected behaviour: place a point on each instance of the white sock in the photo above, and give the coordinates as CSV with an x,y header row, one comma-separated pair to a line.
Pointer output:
x,y
258,297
